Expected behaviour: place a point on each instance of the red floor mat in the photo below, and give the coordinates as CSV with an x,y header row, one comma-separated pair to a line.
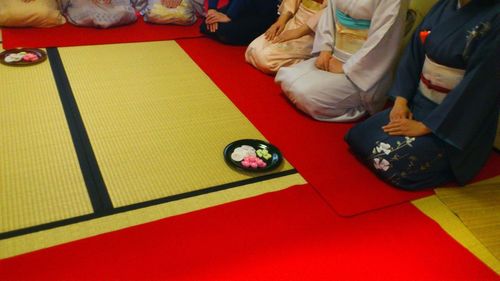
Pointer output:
x,y
286,235
70,35
315,148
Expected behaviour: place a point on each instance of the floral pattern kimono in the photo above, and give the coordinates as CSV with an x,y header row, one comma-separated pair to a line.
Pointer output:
x,y
98,13
449,75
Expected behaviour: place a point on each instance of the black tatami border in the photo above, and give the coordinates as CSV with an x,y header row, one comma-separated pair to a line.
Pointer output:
x,y
96,187
140,205
98,193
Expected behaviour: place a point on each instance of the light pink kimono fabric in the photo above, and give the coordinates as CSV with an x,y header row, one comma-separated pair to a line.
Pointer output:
x,y
269,57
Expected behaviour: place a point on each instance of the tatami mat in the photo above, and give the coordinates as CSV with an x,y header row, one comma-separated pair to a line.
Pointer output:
x,y
157,126
478,207
156,122
52,237
40,178
470,215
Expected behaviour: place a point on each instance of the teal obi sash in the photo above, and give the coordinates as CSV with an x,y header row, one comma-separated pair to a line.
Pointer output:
x,y
351,23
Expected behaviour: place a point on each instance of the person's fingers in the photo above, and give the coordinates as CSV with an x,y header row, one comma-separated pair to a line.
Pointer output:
x,y
318,64
279,29
391,127
396,133
321,65
211,20
272,34
210,17
394,117
266,34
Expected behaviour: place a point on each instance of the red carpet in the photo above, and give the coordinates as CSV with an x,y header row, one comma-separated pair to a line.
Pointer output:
x,y
287,235
315,148
70,35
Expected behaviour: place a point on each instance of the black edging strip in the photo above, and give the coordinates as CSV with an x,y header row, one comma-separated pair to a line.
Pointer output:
x,y
50,225
96,188
99,196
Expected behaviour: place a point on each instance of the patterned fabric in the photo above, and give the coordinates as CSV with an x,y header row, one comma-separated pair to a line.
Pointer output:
x,y
184,14
407,162
98,13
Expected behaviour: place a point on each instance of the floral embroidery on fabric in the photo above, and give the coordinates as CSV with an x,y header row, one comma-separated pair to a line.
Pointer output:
x,y
381,164
385,157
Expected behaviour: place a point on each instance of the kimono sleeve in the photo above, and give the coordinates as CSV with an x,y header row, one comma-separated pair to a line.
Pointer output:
x,y
375,59
289,6
463,112
312,22
324,37
409,69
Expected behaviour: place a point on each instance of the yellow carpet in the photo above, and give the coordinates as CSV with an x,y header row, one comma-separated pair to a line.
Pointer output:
x,y
470,215
44,239
157,125
40,178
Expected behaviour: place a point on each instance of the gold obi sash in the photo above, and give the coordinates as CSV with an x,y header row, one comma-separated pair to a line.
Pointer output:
x,y
350,35
437,80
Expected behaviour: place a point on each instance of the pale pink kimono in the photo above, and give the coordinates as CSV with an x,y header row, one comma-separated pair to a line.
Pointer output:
x,y
269,57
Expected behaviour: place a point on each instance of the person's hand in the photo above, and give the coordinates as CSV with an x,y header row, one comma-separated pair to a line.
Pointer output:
x,y
323,60
335,66
217,17
406,127
211,12
212,27
287,35
171,3
400,110
274,30
210,15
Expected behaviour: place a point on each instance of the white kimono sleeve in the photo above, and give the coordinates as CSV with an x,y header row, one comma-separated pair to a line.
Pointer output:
x,y
325,32
375,59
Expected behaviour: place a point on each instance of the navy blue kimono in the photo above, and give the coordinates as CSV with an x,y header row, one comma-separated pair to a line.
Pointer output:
x,y
463,125
249,19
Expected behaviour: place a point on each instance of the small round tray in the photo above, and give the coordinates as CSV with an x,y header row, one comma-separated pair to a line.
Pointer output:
x,y
274,159
42,56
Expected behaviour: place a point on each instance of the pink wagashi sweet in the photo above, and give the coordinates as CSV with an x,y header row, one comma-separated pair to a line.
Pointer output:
x,y
30,57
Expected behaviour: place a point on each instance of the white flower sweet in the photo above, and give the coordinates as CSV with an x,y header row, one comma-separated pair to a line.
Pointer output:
x,y
381,164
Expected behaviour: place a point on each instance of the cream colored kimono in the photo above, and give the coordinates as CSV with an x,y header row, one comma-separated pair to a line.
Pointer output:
x,y
368,57
269,57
